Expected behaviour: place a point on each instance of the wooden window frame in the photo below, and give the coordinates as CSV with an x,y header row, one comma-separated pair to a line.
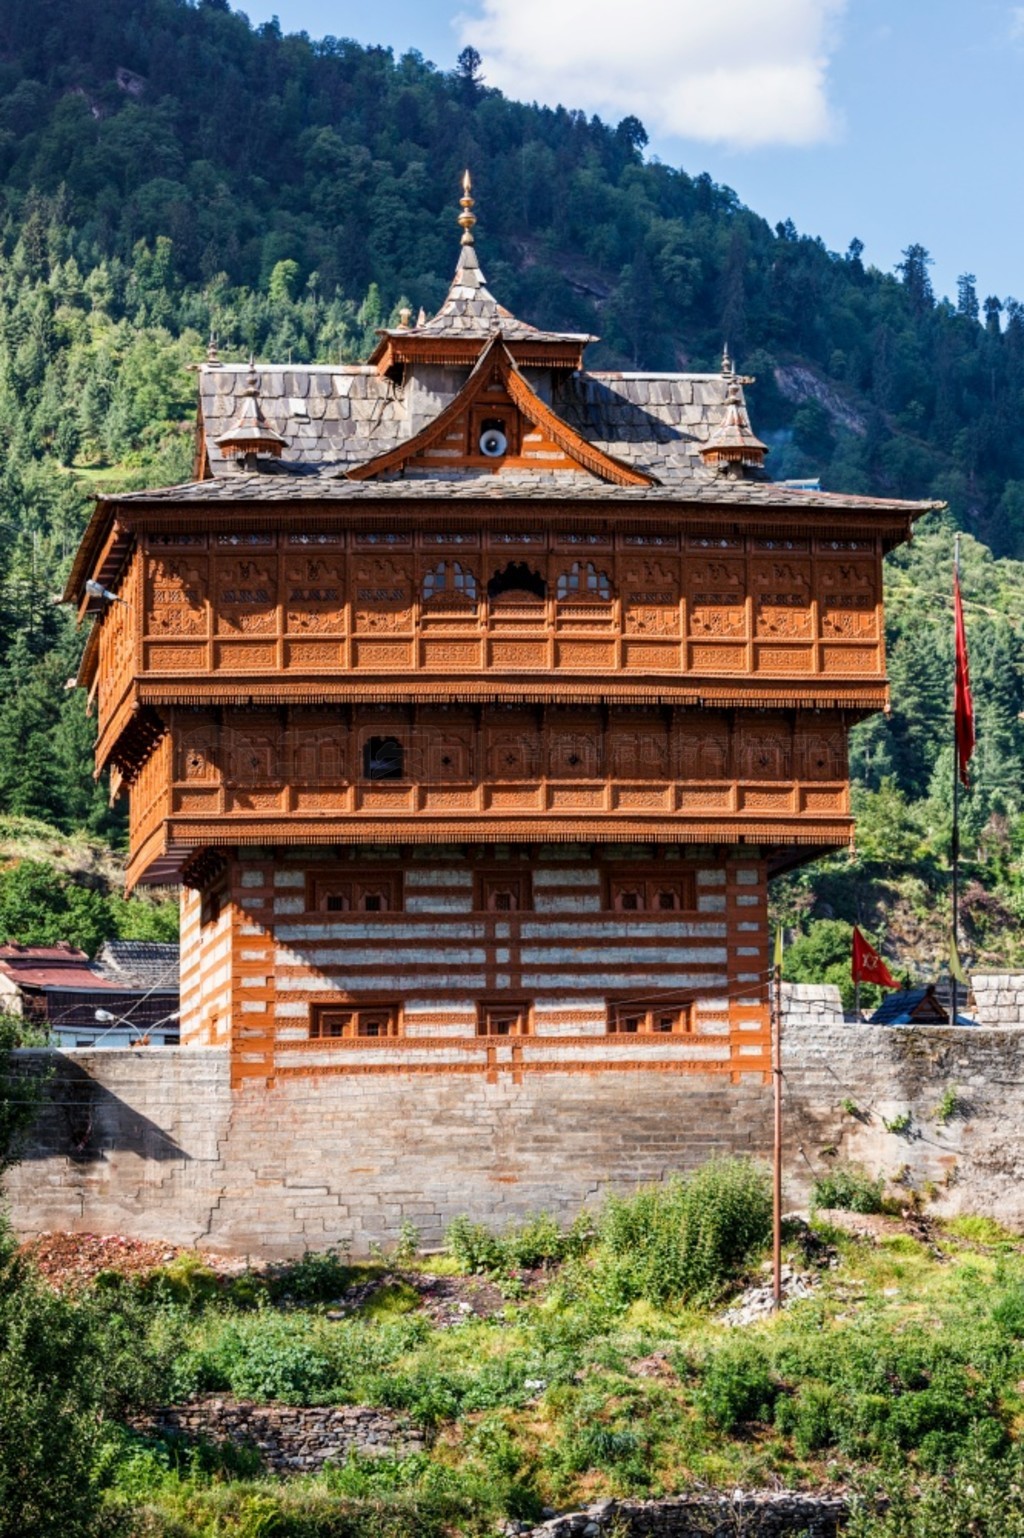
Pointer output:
x,y
647,884
351,1021
487,1011
366,756
648,1018
490,883
354,887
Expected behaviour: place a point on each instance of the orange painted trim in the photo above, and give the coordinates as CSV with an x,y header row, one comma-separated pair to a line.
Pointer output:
x,y
602,465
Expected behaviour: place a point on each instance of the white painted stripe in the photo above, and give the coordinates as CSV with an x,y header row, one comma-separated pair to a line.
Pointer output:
x,y
566,878
414,878
383,933
594,982
459,903
313,982
382,956
654,928
581,955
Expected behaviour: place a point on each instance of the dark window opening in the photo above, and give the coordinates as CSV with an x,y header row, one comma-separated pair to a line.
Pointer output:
x,y
517,580
673,1020
378,1020
503,1019
383,759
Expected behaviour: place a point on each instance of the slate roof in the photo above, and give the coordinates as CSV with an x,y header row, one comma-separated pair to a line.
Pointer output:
x,y
898,1008
147,964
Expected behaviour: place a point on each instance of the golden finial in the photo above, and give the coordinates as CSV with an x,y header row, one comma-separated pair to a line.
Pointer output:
x,y
404,317
466,218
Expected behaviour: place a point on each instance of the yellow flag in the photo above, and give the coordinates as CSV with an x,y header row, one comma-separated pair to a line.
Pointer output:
x,y
955,964
778,949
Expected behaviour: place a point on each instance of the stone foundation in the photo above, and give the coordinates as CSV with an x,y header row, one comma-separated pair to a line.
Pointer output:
x,y
155,1144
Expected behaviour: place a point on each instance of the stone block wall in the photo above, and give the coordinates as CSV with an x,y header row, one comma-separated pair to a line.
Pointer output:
x,y
290,1439
998,998
155,1143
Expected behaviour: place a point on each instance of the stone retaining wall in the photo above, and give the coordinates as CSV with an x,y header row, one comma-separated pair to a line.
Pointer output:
x,y
757,1514
290,1439
155,1144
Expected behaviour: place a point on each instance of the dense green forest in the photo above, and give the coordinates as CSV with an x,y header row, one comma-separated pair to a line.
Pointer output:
x,y
166,171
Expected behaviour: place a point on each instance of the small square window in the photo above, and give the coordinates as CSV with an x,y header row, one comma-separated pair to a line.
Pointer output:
x,y
631,894
503,1019
355,893
670,1020
348,1022
504,893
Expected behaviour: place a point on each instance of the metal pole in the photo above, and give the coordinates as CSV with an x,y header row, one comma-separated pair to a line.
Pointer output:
x,y
777,1149
955,852
856,998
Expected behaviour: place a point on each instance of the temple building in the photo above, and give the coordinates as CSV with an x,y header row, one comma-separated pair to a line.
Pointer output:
x,y
473,698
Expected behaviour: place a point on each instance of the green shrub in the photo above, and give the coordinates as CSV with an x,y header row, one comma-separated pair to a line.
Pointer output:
x,y
688,1238
472,1246
736,1386
319,1276
849,1188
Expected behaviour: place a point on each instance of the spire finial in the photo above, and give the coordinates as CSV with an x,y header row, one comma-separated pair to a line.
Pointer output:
x,y
252,383
467,219
212,356
726,359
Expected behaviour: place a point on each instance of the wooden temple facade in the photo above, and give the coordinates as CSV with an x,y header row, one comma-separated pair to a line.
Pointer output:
x,y
473,698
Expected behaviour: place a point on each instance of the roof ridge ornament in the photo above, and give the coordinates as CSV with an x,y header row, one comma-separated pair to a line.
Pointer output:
x,y
250,434
467,219
727,368
733,446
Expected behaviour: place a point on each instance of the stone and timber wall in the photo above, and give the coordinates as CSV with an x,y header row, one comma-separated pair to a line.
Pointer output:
x,y
155,1143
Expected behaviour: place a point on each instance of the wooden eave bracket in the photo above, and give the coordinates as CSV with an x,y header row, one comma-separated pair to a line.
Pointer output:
x,y
603,466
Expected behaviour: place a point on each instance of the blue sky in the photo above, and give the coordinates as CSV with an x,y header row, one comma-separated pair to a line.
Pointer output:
x,y
891,120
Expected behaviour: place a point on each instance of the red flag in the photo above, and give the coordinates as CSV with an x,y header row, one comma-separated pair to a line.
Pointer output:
x,y
963,705
868,966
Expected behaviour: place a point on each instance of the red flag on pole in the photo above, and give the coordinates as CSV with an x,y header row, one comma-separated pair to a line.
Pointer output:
x,y
868,966
963,705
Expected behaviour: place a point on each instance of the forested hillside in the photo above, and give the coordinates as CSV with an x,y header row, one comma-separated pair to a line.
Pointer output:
x,y
167,171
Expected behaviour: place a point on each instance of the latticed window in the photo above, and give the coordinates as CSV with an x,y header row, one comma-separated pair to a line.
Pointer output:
x,y
361,893
503,1019
642,894
370,1020
504,893
583,580
449,579
630,1020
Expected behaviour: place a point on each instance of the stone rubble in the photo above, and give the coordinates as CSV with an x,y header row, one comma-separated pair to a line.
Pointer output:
x,y
700,1514
758,1302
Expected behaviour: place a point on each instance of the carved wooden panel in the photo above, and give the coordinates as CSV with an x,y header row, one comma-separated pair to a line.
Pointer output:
x,y
314,594
245,595
176,585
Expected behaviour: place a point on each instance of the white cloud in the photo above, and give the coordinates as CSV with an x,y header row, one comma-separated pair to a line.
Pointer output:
x,y
744,73
1017,23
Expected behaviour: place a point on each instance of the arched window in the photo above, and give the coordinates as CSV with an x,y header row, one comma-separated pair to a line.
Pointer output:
x,y
383,759
583,580
449,579
517,581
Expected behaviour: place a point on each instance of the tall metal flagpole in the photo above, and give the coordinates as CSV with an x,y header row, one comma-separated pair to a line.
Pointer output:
x,y
777,1140
956,806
